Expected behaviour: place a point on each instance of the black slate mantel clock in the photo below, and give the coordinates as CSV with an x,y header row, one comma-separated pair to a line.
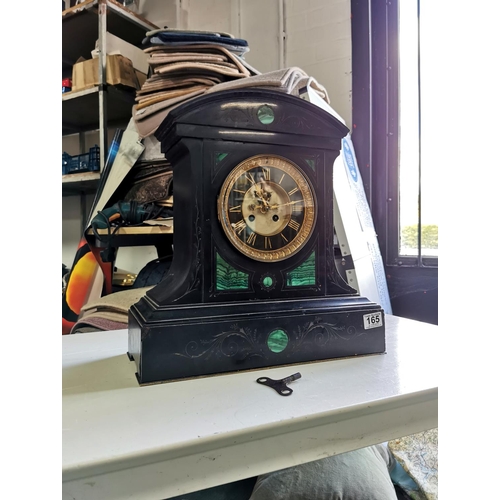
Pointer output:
x,y
253,281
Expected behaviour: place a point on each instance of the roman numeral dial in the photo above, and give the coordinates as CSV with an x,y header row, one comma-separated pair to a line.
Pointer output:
x,y
267,208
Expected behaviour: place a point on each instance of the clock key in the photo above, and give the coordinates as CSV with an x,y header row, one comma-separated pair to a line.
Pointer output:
x,y
280,385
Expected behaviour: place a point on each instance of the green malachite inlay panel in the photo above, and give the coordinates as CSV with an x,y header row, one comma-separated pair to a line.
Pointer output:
x,y
303,275
229,278
219,157
266,115
311,163
277,341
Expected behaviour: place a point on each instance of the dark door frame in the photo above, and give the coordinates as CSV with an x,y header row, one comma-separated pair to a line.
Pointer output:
x,y
412,282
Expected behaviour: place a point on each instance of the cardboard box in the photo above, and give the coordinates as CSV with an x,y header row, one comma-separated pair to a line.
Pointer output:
x,y
119,71
115,45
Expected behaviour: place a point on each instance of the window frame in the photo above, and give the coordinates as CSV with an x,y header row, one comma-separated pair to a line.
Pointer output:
x,y
375,125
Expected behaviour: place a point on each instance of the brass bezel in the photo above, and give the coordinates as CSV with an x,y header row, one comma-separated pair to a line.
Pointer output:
x,y
310,207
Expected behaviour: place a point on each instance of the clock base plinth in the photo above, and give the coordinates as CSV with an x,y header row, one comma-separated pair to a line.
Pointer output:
x,y
175,342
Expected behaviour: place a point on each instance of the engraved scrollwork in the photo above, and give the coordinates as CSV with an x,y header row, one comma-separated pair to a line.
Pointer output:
x,y
321,337
235,341
300,122
237,116
195,281
318,160
320,334
191,347
351,330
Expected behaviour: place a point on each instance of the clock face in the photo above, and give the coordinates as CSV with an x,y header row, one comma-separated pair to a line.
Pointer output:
x,y
267,208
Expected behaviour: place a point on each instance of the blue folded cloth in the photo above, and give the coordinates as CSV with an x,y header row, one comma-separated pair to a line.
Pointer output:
x,y
189,32
169,36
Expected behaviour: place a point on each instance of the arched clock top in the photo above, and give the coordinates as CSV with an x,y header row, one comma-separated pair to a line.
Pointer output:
x,y
249,114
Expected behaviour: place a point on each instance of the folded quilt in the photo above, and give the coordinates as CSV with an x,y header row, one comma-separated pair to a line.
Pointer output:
x,y
239,50
195,32
98,325
159,58
199,68
118,302
148,122
288,80
203,50
163,96
141,114
211,48
119,317
158,83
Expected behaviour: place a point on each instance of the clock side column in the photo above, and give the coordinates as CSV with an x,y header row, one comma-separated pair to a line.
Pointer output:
x,y
183,283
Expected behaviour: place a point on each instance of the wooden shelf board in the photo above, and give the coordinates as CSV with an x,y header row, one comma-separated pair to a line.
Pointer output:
x,y
84,182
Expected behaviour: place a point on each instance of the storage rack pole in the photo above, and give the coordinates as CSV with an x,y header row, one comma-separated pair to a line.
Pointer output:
x,y
83,196
103,113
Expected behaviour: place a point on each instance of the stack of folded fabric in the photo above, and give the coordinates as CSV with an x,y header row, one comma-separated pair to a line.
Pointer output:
x,y
187,64
184,65
109,312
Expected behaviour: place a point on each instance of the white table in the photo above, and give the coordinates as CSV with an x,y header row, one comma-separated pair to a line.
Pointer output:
x,y
123,441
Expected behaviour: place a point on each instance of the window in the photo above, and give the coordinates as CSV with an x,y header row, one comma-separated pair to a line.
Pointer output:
x,y
390,134
418,197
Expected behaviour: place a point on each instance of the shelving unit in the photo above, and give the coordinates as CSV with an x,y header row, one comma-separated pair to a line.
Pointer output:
x,y
102,106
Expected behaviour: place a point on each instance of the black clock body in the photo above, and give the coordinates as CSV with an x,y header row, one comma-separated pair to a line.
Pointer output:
x,y
220,310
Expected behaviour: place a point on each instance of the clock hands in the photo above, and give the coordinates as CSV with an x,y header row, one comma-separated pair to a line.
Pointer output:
x,y
274,207
263,197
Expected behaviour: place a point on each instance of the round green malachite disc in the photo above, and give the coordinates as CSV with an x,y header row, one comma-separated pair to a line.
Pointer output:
x,y
267,281
277,341
266,115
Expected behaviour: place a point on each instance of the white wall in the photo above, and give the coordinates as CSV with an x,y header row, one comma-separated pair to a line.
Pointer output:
x,y
317,39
